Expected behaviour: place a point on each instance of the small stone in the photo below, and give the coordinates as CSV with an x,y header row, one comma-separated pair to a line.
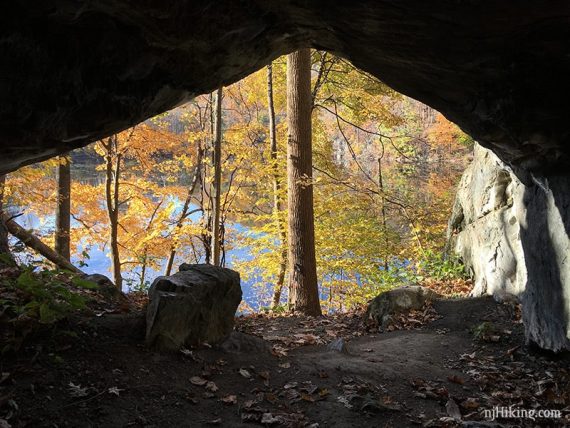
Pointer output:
x,y
338,345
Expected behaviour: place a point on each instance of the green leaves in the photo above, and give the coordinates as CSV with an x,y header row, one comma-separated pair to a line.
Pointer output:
x,y
48,315
48,295
83,283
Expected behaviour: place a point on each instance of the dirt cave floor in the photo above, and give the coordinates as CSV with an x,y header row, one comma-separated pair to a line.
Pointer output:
x,y
442,366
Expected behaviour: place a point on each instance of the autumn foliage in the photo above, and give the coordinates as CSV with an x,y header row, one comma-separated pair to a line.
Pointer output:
x,y
384,174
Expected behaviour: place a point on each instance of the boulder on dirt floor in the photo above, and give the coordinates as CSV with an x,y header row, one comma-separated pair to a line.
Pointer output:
x,y
195,305
105,286
393,302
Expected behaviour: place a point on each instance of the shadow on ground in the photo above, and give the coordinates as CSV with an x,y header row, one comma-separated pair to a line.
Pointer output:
x,y
96,372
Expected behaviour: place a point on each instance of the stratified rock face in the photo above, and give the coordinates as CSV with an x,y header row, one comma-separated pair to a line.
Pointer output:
x,y
72,72
197,304
484,226
515,239
396,301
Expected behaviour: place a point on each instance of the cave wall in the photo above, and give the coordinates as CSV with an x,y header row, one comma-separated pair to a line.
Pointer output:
x,y
514,239
72,72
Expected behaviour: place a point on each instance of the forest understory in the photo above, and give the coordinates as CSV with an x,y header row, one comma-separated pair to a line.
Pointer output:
x,y
440,366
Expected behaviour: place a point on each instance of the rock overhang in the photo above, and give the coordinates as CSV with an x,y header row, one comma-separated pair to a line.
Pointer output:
x,y
73,72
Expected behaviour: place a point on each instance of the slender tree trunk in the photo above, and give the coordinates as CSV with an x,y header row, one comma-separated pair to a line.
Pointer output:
x,y
185,209
217,180
303,284
383,211
112,197
277,203
143,269
63,210
37,245
4,244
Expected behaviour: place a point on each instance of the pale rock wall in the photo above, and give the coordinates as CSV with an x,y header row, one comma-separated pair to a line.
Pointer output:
x,y
514,239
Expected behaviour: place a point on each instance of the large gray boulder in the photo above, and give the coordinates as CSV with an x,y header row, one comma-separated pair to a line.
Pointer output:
x,y
484,228
513,236
397,301
195,305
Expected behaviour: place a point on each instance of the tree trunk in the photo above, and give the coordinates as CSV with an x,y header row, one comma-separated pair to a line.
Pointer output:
x,y
383,211
277,203
37,245
63,210
112,198
303,284
217,180
4,245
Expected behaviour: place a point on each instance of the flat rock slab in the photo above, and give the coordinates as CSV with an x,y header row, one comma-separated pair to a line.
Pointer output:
x,y
195,305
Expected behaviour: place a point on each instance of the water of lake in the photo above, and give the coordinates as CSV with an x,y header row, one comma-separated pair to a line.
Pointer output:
x,y
100,261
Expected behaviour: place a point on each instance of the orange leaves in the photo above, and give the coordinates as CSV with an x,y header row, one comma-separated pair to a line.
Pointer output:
x,y
447,135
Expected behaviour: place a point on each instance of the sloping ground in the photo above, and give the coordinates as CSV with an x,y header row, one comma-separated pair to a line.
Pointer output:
x,y
96,372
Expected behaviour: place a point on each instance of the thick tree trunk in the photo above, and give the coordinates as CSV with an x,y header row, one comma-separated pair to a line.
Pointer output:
x,y
277,203
36,244
217,180
303,285
63,210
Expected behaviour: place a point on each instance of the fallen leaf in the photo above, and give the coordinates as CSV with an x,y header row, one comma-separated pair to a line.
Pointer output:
x,y
211,386
290,385
470,404
229,399
198,381
269,419
186,352
456,379
77,391
271,398
249,403
285,365
245,373
114,390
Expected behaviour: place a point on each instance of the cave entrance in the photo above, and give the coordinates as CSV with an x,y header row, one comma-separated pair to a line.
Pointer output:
x,y
385,168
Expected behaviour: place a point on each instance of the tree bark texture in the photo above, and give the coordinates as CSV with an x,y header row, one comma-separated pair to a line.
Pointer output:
x,y
303,284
